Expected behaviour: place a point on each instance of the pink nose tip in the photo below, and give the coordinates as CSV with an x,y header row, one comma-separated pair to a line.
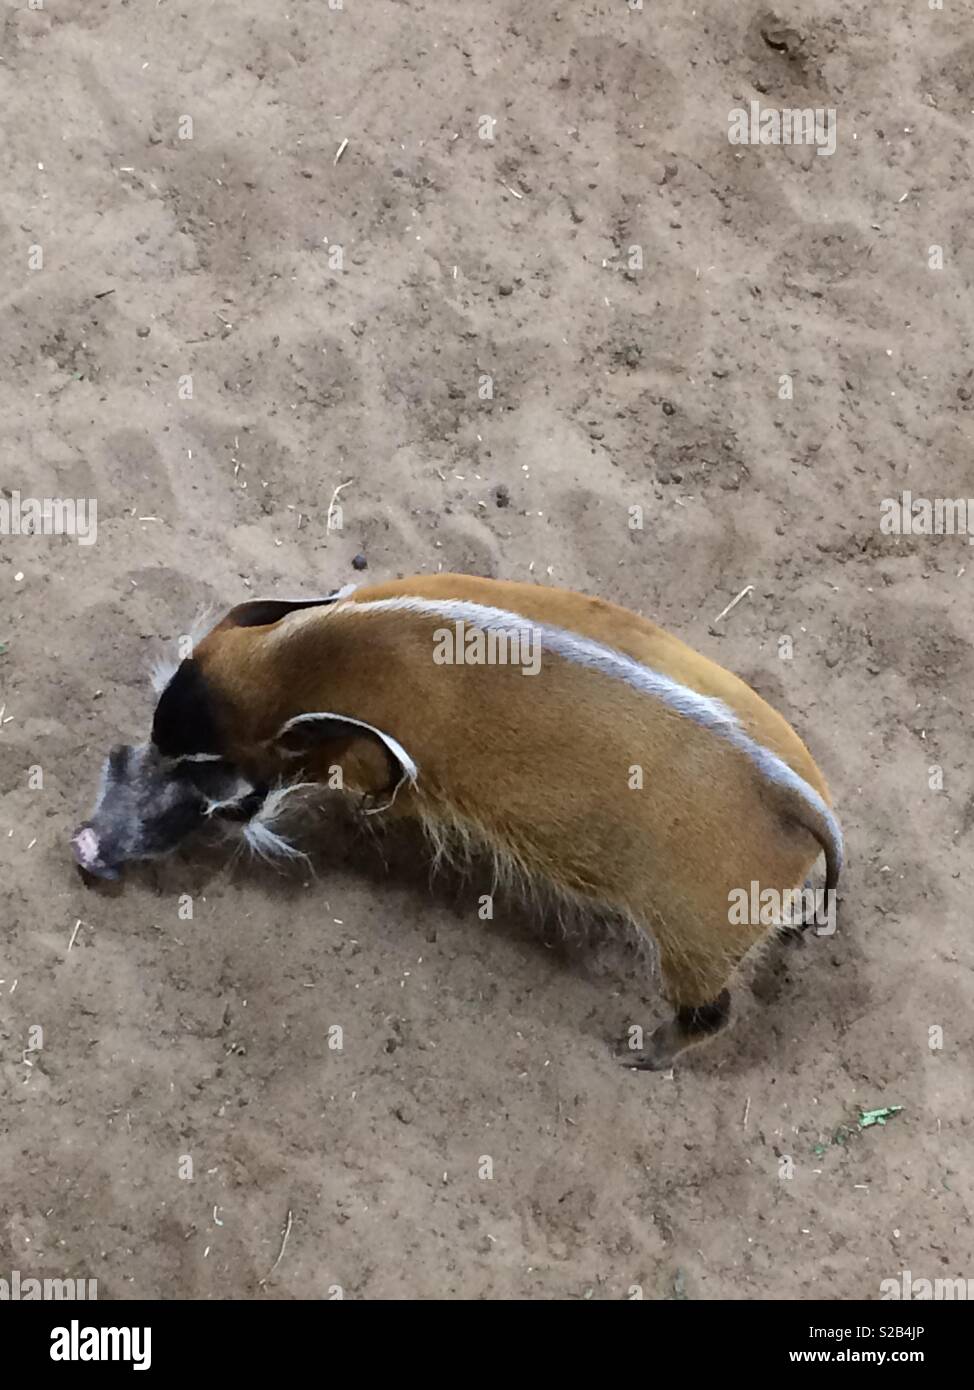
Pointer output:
x,y
85,846
87,851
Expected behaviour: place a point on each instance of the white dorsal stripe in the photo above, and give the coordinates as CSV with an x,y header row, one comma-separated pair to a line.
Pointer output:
x,y
708,713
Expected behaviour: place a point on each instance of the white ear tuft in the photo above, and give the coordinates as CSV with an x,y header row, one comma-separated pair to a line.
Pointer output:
x,y
204,623
162,673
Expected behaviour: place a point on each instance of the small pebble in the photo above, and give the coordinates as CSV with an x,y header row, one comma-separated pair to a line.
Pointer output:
x,y
360,563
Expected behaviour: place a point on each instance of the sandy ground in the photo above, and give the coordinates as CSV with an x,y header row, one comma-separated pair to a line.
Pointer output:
x,y
216,258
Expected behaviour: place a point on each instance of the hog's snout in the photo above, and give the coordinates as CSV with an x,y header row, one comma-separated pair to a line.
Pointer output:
x,y
148,804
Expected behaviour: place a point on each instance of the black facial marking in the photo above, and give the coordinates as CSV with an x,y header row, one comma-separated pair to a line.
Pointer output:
x,y
246,807
172,824
185,721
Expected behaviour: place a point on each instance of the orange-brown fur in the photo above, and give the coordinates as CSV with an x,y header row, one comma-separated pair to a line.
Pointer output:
x,y
537,768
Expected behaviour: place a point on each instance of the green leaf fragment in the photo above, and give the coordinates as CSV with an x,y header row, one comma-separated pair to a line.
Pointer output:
x,y
877,1117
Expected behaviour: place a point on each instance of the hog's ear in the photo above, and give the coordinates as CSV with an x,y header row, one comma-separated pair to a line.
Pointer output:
x,y
262,612
307,735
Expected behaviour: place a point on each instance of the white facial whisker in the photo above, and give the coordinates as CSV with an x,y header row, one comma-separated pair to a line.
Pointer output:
x,y
258,831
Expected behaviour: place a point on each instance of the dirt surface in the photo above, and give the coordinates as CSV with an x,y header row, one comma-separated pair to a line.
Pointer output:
x,y
337,321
